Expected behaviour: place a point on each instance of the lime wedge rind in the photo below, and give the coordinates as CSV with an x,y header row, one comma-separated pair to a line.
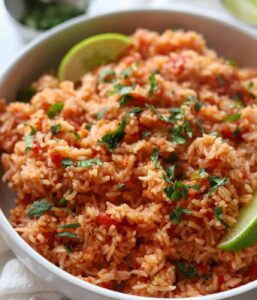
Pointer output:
x,y
90,53
244,233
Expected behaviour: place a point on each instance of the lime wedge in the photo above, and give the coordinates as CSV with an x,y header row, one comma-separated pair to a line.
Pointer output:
x,y
245,10
244,233
91,53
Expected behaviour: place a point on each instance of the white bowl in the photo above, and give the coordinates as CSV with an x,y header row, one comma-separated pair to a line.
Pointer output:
x,y
46,51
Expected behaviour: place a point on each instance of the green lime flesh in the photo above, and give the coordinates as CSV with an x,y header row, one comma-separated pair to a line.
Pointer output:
x,y
245,10
244,233
91,53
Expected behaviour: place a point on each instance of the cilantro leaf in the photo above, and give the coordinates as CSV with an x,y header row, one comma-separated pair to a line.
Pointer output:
x,y
179,134
175,114
136,110
218,213
216,182
67,162
89,162
176,191
177,213
63,202
38,208
153,84
233,117
189,271
88,126
74,225
68,248
145,134
55,129
112,139
197,103
101,113
106,75
25,94
250,85
236,133
54,109
121,186
126,73
169,174
123,91
29,139
155,157
67,234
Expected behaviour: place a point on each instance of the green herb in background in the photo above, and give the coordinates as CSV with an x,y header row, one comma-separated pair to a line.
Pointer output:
x,y
44,15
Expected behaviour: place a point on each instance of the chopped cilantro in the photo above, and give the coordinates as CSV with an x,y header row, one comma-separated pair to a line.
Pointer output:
x,y
136,110
218,213
88,126
89,162
77,136
216,182
55,129
236,133
106,75
250,85
197,103
54,109
29,139
155,157
38,208
68,248
67,162
74,225
67,234
101,113
126,73
220,80
179,134
202,173
175,114
25,94
189,271
176,191
238,98
121,186
153,84
146,134
232,63
177,213
169,174
63,202
111,140
233,117
123,91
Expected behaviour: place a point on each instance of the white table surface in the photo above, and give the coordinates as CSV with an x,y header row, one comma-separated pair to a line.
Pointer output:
x,y
11,43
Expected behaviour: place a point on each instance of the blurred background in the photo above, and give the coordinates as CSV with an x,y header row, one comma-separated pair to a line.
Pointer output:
x,y
23,20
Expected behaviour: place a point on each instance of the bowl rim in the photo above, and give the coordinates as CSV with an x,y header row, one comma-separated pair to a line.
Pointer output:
x,y
33,254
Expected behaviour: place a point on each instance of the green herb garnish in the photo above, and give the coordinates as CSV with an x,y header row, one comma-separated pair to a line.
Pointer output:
x,y
145,134
218,213
55,129
236,133
88,126
197,103
67,162
169,174
153,84
25,94
221,80
136,110
89,162
189,271
216,182
74,225
179,134
233,117
106,75
123,91
155,157
67,234
121,186
250,85
68,248
176,191
63,202
177,213
126,73
101,113
38,208
112,139
29,139
54,109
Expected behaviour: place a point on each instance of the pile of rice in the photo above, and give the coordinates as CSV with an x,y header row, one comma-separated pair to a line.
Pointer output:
x,y
150,159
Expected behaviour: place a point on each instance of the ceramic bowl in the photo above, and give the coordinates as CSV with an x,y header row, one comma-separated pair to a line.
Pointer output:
x,y
46,51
